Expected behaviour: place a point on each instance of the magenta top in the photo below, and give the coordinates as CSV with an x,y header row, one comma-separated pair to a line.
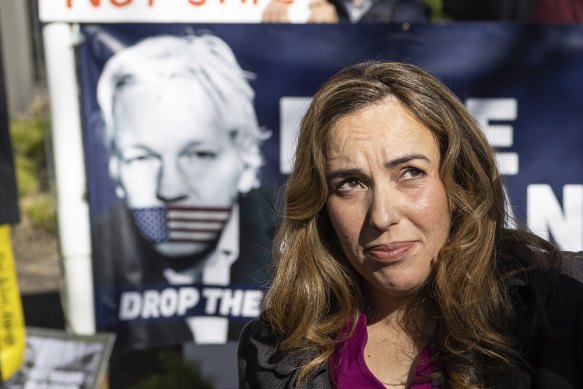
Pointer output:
x,y
349,370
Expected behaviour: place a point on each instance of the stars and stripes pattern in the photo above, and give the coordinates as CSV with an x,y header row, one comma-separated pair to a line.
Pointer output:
x,y
180,224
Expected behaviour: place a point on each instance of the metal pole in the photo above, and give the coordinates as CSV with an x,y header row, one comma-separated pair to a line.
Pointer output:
x,y
72,207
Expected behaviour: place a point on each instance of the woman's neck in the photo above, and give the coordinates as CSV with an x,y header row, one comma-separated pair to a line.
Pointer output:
x,y
391,353
384,307
394,338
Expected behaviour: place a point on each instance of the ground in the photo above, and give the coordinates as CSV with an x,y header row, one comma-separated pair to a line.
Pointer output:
x,y
37,259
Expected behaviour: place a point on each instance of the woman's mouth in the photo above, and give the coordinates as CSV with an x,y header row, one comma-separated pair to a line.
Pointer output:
x,y
391,252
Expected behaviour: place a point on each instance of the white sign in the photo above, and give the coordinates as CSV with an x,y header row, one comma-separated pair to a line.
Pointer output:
x,y
163,11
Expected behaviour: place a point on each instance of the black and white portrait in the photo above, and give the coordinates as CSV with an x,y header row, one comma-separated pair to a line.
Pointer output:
x,y
184,151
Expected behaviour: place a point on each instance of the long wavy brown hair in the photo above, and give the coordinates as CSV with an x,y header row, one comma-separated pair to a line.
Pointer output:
x,y
315,291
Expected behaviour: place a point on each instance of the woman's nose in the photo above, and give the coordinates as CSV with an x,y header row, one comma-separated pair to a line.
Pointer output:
x,y
383,208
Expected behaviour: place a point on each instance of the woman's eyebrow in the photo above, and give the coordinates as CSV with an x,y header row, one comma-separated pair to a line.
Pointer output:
x,y
340,173
404,159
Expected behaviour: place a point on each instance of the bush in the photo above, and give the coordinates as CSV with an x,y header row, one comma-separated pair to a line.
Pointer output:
x,y
40,210
436,10
28,134
28,182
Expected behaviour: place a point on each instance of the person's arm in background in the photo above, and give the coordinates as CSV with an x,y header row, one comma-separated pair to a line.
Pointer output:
x,y
276,12
321,11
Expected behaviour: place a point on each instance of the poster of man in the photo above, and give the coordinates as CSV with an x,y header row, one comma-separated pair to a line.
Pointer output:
x,y
182,145
154,280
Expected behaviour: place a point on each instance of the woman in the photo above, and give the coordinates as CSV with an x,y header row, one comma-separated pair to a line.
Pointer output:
x,y
394,266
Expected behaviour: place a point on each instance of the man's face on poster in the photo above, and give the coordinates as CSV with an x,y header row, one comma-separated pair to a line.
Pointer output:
x,y
176,162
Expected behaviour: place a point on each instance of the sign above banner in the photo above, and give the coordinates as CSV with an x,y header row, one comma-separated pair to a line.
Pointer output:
x,y
163,11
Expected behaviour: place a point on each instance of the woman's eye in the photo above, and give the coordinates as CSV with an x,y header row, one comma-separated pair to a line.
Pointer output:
x,y
412,172
348,184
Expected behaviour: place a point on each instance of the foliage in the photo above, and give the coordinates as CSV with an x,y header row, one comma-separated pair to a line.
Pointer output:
x,y
436,10
175,373
28,133
40,210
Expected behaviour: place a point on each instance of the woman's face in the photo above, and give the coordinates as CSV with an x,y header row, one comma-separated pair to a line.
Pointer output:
x,y
386,201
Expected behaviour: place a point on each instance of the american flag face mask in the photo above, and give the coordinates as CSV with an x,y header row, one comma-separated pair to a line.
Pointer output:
x,y
180,224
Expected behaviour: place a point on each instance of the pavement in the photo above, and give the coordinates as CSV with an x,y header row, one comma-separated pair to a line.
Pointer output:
x,y
37,259
38,270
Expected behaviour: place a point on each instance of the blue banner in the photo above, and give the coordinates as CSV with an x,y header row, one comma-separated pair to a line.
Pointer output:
x,y
189,135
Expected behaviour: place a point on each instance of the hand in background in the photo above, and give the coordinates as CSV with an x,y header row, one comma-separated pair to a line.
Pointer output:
x,y
276,12
321,11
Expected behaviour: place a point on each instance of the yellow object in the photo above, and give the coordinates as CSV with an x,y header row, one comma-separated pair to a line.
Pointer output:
x,y
12,330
